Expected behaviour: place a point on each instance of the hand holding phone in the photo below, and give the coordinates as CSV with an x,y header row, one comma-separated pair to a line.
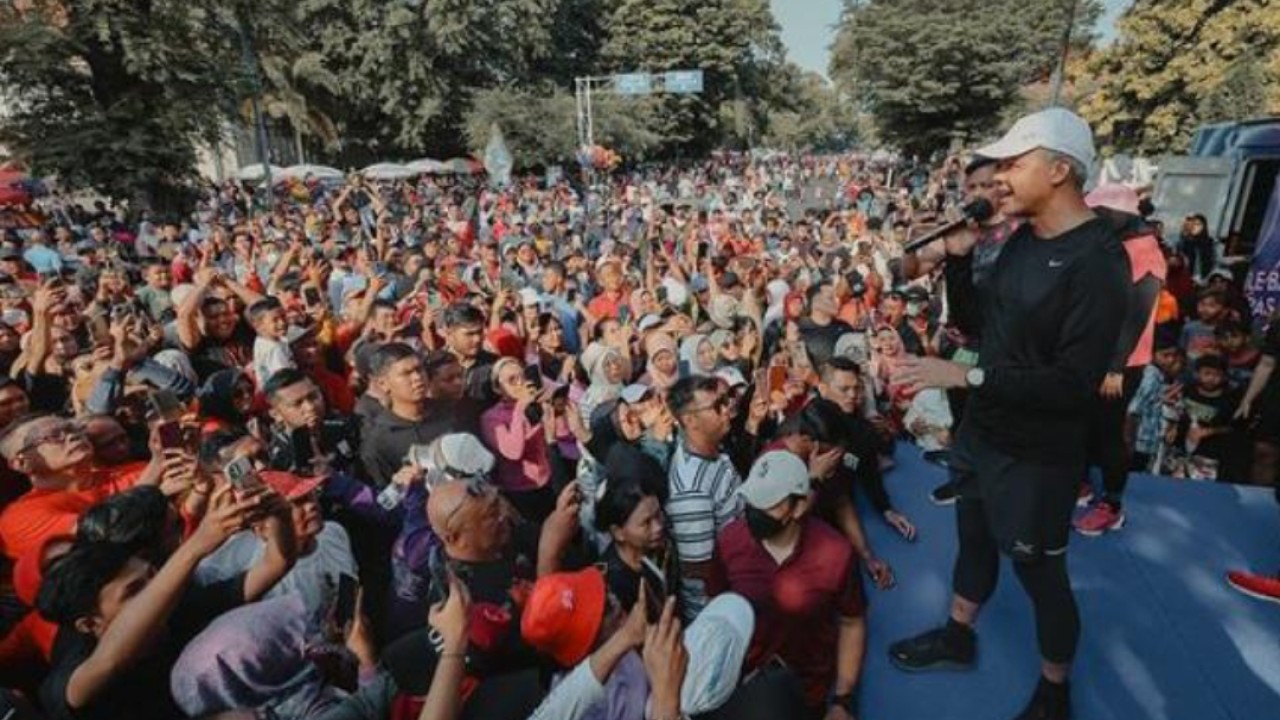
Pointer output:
x,y
241,474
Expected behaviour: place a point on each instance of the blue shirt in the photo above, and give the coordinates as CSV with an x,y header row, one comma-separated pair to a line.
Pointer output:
x,y
43,259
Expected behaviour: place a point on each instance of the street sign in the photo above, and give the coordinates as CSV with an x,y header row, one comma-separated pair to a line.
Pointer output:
x,y
683,81
633,83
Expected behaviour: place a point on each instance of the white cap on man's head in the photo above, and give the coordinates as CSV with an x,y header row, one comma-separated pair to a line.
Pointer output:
x,y
1056,129
775,476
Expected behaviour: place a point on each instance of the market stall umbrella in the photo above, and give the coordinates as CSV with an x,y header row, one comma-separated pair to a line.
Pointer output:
x,y
464,166
427,166
302,172
387,171
255,172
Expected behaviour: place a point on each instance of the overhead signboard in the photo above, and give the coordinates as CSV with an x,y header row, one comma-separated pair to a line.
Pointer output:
x,y
683,81
633,83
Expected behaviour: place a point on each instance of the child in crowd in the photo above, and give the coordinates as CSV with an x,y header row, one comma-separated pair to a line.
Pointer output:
x,y
1206,428
1239,353
271,353
1198,336
1157,402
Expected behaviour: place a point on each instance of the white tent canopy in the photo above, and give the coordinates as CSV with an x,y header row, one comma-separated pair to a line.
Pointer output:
x,y
255,172
427,166
387,171
301,172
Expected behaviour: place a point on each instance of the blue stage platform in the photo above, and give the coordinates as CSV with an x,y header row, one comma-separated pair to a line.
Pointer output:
x,y
1164,637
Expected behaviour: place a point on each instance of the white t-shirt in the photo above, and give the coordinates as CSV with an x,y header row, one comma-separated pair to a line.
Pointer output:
x,y
270,357
703,499
314,577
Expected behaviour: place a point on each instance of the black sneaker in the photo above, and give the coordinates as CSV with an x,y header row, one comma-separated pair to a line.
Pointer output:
x,y
1050,702
944,494
950,647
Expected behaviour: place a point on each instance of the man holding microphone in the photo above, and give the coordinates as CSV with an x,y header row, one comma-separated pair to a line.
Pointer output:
x,y
1051,310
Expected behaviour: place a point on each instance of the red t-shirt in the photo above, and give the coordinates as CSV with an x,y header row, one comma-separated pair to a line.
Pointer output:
x,y
41,514
797,603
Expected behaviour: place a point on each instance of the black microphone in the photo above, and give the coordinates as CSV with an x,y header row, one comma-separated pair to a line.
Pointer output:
x,y
980,210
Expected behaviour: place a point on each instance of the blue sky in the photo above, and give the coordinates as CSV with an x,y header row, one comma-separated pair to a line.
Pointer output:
x,y
807,27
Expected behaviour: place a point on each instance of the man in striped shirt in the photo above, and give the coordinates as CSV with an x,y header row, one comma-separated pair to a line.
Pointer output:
x,y
703,492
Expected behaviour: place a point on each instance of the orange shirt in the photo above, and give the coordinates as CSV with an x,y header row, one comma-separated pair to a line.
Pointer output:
x,y
40,514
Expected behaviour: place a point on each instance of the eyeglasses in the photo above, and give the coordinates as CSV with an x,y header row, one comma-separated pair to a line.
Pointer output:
x,y
720,404
56,434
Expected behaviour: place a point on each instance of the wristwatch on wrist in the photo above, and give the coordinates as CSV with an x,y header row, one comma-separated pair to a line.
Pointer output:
x,y
844,700
975,377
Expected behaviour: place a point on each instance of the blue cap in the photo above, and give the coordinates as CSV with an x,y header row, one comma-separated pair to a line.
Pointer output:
x,y
699,283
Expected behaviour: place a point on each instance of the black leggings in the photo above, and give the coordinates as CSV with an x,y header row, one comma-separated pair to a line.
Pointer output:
x,y
1044,579
1107,447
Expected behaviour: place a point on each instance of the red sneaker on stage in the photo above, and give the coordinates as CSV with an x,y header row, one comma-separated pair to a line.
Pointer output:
x,y
1262,587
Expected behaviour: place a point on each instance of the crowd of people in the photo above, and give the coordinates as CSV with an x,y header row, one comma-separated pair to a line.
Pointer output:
x,y
551,451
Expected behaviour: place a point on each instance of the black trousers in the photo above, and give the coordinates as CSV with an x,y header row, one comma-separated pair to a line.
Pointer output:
x,y
1022,509
1107,447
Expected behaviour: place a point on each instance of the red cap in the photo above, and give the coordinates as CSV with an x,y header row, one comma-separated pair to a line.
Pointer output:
x,y
564,613
290,486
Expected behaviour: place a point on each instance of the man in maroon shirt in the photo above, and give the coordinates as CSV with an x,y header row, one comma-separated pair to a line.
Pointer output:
x,y
801,577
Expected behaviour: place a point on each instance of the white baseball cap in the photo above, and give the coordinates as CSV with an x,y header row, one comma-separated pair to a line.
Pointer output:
x,y
775,476
1056,129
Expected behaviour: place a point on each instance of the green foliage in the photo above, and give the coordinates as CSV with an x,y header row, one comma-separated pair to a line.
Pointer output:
x,y
734,42
1179,63
539,125
815,116
933,71
119,94
405,71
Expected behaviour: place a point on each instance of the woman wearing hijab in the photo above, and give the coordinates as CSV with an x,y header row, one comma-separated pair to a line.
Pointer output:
x,y
697,356
255,657
606,371
613,423
663,366
226,400
513,429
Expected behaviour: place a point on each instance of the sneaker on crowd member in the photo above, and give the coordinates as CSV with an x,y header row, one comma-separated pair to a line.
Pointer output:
x,y
1101,518
1261,587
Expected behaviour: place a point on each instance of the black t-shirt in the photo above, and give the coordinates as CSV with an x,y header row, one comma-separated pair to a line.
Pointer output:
x,y
1051,315
498,590
1211,412
820,340
48,393
140,692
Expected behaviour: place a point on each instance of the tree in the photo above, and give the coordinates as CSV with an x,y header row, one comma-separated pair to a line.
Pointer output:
x,y
735,43
1178,63
934,71
113,94
406,69
539,124
814,116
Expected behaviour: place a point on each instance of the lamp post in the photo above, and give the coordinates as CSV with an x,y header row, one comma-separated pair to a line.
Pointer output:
x,y
255,86
1059,74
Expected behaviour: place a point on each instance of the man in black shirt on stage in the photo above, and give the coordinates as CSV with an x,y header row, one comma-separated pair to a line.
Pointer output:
x,y
1051,311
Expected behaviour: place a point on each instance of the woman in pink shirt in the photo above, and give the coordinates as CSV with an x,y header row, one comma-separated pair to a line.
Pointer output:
x,y
514,431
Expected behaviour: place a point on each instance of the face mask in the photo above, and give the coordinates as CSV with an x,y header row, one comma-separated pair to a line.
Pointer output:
x,y
914,309
762,525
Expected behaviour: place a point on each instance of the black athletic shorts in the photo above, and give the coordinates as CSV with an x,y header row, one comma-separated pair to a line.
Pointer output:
x,y
1028,505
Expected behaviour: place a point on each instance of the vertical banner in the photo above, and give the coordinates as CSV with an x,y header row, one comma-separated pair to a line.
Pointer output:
x,y
1263,284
